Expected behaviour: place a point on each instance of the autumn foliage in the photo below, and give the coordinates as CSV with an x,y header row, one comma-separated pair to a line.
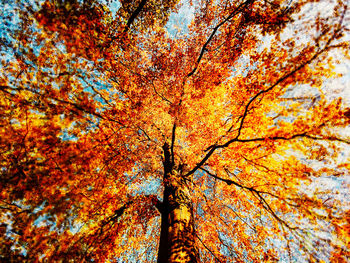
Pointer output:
x,y
177,131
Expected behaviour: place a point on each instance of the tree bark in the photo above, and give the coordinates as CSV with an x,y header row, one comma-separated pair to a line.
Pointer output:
x,y
177,237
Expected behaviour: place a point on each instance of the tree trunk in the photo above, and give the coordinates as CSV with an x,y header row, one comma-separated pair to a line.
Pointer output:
x,y
177,237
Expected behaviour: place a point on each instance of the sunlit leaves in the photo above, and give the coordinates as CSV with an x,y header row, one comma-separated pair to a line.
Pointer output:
x,y
90,95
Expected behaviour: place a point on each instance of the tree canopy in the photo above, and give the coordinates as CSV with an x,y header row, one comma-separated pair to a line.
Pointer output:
x,y
177,131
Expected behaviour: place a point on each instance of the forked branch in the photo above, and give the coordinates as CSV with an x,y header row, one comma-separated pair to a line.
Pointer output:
x,y
256,193
211,149
238,9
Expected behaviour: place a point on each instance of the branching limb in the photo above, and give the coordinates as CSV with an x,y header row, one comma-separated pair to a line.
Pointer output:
x,y
145,133
256,193
216,28
211,149
327,46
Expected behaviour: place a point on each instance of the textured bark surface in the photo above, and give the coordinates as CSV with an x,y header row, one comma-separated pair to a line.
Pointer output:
x,y
177,240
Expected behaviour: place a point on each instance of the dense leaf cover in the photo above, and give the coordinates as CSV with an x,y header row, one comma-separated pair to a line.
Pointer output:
x,y
243,95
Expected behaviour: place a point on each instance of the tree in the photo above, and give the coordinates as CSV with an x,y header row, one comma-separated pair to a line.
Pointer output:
x,y
126,139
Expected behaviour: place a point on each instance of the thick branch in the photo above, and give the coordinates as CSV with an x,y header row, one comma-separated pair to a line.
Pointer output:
x,y
206,157
135,14
167,159
211,149
218,146
172,144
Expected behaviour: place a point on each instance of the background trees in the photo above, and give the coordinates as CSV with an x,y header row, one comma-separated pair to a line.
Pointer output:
x,y
243,96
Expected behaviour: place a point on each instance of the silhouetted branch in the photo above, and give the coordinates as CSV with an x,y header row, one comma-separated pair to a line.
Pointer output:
x,y
216,28
211,149
205,246
258,193
135,14
172,144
